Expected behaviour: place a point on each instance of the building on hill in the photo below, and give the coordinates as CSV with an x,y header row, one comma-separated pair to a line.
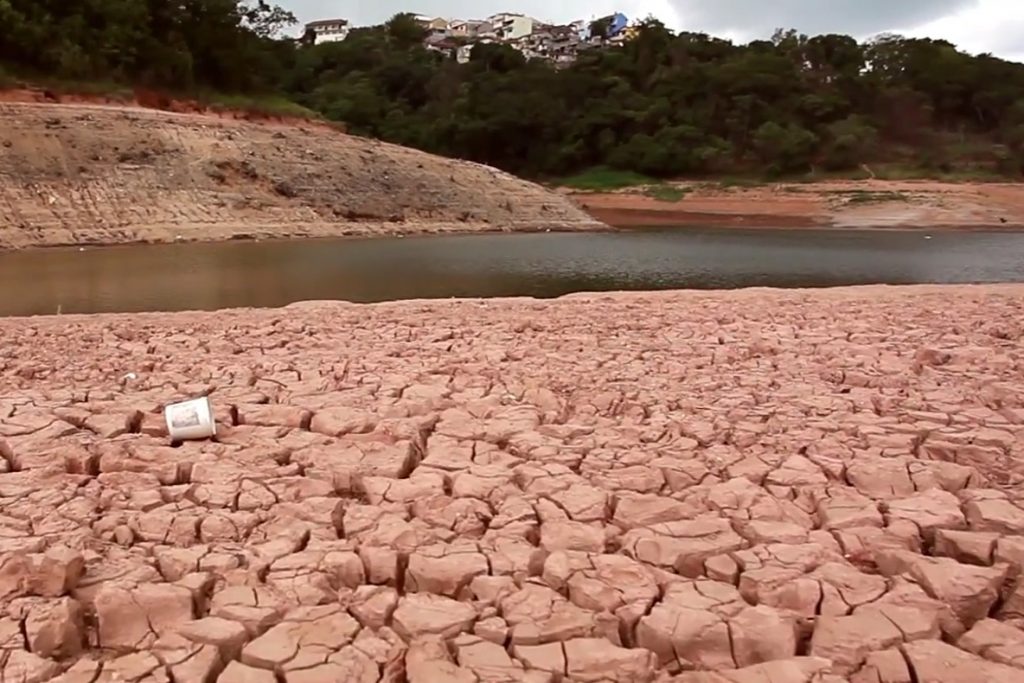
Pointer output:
x,y
512,26
462,28
327,31
609,27
434,26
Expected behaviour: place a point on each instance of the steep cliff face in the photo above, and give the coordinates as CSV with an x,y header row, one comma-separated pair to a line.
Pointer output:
x,y
77,174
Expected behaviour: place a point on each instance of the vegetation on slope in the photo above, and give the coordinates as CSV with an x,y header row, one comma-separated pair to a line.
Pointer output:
x,y
664,105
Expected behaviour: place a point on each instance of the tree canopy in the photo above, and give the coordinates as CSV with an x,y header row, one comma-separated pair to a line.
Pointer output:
x,y
663,104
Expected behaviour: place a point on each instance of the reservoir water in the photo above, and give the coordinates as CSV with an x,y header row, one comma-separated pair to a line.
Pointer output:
x,y
275,273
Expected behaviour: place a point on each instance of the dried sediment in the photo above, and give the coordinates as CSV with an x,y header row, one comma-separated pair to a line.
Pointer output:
x,y
83,174
802,487
904,205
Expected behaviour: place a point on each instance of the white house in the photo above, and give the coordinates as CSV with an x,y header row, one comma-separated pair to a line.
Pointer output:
x,y
511,26
328,30
462,28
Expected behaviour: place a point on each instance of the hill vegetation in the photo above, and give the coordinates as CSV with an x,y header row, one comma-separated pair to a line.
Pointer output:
x,y
663,105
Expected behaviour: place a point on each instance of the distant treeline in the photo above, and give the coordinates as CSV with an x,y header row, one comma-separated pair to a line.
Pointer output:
x,y
664,104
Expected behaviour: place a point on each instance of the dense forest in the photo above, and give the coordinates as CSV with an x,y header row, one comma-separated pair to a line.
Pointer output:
x,y
664,104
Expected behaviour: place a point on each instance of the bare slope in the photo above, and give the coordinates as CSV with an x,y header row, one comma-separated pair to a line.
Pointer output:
x,y
100,175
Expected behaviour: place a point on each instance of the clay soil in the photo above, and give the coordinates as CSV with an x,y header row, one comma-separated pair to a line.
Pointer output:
x,y
74,174
795,487
839,204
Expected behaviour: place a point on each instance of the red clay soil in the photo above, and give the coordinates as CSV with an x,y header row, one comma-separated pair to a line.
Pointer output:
x,y
796,487
849,204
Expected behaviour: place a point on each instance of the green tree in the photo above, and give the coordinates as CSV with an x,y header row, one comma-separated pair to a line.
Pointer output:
x,y
785,148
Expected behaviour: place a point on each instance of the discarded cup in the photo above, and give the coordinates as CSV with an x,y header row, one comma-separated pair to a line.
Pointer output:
x,y
190,420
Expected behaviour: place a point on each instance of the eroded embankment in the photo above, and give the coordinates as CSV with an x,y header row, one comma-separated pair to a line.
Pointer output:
x,y
81,174
796,486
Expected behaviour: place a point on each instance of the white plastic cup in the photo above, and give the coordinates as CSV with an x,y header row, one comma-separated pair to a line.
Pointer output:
x,y
190,420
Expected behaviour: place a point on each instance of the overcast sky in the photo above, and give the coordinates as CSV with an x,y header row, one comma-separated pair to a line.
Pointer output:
x,y
995,26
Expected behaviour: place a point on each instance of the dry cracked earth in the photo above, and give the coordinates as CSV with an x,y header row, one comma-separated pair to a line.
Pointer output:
x,y
755,487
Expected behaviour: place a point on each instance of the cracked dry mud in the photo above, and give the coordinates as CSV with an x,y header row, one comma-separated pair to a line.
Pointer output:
x,y
754,487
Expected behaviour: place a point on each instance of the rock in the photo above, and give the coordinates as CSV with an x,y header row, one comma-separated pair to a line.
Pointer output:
x,y
538,615
236,672
930,510
429,661
762,634
227,636
968,547
306,636
341,421
494,629
597,660
27,667
549,657
690,626
887,666
933,660
796,670
275,416
133,618
373,606
51,574
682,546
486,660
847,509
996,515
970,591
563,535
444,569
54,629
257,609
423,614
996,642
847,641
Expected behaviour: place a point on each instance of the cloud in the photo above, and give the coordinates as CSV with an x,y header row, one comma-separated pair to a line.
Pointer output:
x,y
977,25
759,18
995,26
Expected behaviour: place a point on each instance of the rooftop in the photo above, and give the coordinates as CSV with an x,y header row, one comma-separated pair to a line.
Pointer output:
x,y
326,22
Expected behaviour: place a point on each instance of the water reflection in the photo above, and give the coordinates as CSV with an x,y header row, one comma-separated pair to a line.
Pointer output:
x,y
238,274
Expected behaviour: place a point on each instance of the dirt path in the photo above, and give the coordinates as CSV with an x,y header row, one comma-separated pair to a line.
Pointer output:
x,y
800,486
846,204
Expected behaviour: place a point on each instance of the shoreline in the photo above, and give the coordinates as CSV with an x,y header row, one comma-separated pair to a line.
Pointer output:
x,y
608,222
624,227
879,204
882,293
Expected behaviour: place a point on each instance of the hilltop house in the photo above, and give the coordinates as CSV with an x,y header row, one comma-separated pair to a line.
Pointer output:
x,y
461,28
434,26
327,31
610,27
511,26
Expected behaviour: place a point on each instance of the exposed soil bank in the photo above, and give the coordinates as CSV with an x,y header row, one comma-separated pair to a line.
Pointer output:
x,y
599,488
841,204
89,174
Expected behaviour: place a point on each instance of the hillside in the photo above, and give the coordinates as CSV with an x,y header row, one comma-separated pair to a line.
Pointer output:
x,y
660,103
79,174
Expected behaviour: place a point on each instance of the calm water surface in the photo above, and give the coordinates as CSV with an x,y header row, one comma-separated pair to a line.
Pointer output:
x,y
232,274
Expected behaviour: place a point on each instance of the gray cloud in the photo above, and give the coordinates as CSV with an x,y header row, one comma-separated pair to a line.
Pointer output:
x,y
752,18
